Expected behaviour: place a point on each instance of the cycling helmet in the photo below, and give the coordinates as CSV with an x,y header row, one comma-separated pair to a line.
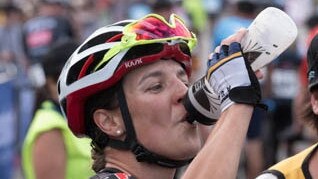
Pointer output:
x,y
105,57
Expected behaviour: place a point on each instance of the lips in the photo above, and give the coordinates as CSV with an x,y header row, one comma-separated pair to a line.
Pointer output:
x,y
187,118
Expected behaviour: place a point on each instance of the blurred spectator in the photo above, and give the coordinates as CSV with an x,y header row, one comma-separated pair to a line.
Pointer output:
x,y
50,24
12,65
50,149
197,14
164,8
138,9
241,14
297,131
167,7
86,17
281,86
191,11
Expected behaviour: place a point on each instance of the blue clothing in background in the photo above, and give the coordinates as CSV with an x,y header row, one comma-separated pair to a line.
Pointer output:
x,y
226,26
8,131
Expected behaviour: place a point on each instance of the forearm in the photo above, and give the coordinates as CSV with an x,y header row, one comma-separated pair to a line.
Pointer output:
x,y
219,158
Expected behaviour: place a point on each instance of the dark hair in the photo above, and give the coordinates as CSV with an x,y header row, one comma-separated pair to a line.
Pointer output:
x,y
162,5
103,100
312,21
52,64
10,8
54,60
308,115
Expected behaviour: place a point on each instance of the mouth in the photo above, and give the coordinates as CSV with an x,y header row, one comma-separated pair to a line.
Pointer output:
x,y
190,120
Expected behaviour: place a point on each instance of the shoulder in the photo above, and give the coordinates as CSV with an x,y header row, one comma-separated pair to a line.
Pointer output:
x,y
296,161
294,166
46,119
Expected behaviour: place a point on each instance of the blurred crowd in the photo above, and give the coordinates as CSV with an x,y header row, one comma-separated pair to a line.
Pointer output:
x,y
29,28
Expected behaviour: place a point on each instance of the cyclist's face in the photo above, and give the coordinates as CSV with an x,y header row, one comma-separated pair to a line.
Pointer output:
x,y
154,95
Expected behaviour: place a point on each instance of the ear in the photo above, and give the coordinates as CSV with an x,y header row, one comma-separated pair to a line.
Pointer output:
x,y
314,104
110,122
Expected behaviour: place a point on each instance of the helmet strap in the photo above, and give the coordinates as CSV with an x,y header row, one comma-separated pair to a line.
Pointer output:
x,y
131,143
130,139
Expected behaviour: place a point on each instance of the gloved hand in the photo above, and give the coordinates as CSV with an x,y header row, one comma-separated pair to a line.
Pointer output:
x,y
229,79
232,78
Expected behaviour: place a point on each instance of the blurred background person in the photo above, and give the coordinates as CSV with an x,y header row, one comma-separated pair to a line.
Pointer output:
x,y
240,13
12,71
50,149
50,24
280,87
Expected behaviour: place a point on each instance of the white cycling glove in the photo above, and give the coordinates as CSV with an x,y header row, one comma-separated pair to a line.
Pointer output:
x,y
229,79
232,78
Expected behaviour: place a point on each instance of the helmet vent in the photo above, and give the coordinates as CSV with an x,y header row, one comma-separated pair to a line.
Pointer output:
x,y
100,39
74,71
80,69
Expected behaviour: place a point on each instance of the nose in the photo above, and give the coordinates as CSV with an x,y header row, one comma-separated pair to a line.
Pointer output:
x,y
180,90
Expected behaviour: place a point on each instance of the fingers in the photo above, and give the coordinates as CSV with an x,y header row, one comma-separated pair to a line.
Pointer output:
x,y
259,74
217,49
222,50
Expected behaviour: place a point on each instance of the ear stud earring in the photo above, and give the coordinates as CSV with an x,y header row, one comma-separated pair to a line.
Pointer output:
x,y
118,132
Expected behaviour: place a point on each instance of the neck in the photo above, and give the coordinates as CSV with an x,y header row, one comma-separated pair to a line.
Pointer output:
x,y
313,165
125,161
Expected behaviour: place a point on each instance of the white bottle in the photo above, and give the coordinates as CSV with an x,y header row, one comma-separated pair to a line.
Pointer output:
x,y
270,34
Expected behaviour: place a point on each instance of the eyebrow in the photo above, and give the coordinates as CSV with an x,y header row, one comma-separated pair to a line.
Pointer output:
x,y
180,73
150,75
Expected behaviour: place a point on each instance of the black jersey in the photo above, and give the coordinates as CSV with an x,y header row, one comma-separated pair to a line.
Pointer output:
x,y
110,173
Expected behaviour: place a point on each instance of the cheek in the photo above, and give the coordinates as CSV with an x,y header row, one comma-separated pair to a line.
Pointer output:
x,y
148,113
149,116
157,130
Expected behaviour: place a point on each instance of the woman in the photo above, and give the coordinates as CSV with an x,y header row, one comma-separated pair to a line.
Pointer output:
x,y
124,88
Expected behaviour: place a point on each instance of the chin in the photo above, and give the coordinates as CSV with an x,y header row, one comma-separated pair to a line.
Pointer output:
x,y
187,155
189,151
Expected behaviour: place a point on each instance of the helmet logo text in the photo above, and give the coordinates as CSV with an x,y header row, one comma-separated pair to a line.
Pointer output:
x,y
133,63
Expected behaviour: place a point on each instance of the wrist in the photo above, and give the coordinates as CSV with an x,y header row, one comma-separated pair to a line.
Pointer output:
x,y
244,108
226,104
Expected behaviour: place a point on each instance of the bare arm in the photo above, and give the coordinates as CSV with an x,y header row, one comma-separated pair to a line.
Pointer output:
x,y
49,156
219,158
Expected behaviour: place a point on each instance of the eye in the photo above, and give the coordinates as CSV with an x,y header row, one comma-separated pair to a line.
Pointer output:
x,y
186,83
155,87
